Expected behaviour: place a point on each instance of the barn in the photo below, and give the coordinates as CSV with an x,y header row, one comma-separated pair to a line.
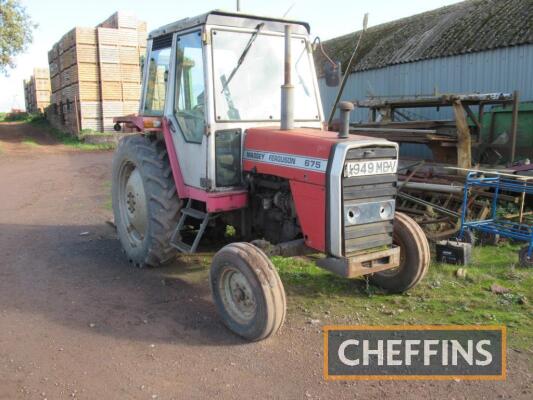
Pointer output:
x,y
476,46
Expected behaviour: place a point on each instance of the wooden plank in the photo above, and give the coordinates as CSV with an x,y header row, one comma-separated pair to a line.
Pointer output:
x,y
130,73
53,54
90,109
131,91
110,72
86,53
107,36
67,58
464,141
111,91
56,83
109,54
84,36
129,55
89,91
112,109
64,43
41,73
69,76
88,72
126,20
54,68
42,84
94,124
131,107
128,37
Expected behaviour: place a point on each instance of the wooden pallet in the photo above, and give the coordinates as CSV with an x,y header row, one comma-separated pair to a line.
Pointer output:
x,y
98,70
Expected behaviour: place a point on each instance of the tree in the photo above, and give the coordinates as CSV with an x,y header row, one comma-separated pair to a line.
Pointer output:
x,y
16,29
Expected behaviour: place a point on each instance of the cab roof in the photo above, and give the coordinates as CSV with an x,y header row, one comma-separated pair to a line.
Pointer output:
x,y
230,19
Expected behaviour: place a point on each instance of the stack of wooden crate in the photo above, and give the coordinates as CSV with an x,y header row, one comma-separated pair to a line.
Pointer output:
x,y
96,74
37,91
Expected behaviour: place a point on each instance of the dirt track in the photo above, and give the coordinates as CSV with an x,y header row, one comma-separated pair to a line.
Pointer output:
x,y
76,321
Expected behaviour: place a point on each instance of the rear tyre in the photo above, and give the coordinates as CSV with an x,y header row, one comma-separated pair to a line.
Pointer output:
x,y
247,291
145,201
523,258
414,257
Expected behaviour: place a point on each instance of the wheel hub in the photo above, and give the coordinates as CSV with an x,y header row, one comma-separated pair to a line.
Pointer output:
x,y
133,204
238,295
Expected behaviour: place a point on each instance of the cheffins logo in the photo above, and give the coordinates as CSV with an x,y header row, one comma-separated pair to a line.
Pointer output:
x,y
414,352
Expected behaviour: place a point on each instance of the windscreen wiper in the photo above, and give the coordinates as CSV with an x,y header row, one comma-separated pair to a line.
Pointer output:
x,y
243,54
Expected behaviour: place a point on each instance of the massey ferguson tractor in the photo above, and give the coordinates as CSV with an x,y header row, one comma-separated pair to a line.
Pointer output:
x,y
231,133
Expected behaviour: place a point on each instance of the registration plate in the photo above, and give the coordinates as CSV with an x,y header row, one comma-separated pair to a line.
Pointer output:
x,y
373,167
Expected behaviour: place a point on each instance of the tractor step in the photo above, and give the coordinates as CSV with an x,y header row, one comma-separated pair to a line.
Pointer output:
x,y
192,212
189,212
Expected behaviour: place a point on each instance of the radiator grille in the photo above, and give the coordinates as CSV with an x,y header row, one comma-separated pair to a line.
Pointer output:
x,y
365,189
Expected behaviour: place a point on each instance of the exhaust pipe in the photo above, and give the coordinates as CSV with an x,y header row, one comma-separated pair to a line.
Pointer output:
x,y
287,89
346,108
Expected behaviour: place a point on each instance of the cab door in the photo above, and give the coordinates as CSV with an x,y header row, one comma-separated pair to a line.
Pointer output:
x,y
186,107
175,88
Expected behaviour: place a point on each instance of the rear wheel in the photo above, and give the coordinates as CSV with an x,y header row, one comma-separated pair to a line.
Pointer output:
x,y
145,202
247,291
414,257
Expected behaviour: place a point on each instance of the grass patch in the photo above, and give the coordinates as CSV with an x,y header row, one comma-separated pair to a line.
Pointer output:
x,y
19,117
69,140
441,298
30,142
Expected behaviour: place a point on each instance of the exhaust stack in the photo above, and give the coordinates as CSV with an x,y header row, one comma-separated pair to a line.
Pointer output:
x,y
287,89
346,108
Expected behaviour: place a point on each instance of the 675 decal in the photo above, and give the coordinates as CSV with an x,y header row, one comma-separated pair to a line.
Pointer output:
x,y
286,160
314,164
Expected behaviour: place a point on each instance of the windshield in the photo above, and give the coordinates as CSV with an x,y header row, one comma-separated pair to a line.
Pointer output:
x,y
254,93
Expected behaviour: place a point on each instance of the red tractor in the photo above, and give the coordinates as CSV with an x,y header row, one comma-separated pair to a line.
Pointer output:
x,y
217,146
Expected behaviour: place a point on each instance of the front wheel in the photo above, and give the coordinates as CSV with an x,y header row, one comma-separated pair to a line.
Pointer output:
x,y
414,257
247,291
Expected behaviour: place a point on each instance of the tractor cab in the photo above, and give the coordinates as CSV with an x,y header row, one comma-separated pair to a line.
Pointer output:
x,y
212,77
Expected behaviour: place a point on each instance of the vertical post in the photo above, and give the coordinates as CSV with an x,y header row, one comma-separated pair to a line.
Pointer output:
x,y
287,89
76,110
238,5
514,125
464,141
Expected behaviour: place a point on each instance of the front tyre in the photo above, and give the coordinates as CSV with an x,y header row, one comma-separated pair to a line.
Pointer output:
x,y
414,257
247,291
145,202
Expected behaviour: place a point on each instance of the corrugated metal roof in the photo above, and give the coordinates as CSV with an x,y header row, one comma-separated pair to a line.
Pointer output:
x,y
466,27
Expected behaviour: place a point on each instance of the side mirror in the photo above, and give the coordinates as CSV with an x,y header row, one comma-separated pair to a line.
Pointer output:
x,y
332,74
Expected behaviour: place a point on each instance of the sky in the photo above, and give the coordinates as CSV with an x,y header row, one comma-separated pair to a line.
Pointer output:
x,y
56,17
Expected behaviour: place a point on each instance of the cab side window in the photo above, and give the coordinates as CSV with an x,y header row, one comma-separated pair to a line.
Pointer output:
x,y
158,66
189,107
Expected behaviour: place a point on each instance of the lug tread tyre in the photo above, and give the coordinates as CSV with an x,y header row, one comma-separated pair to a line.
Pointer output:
x,y
267,287
150,157
416,255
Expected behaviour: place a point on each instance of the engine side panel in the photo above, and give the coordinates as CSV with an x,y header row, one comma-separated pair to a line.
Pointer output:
x,y
310,202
